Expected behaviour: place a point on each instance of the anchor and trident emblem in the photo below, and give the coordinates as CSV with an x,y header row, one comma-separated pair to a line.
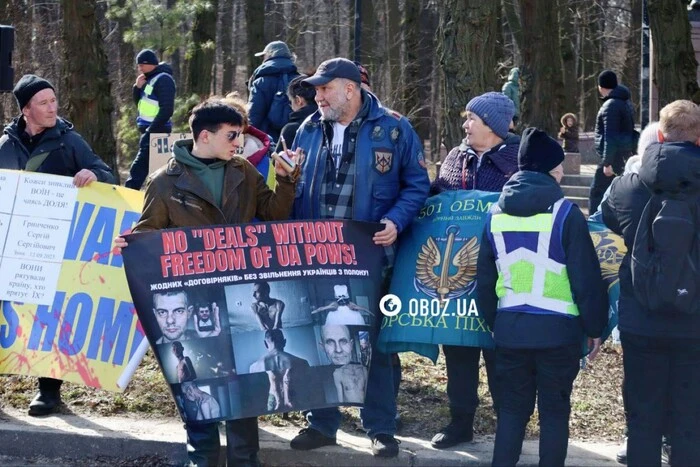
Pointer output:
x,y
449,283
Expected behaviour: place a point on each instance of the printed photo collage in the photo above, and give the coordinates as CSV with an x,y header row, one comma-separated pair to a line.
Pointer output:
x,y
266,346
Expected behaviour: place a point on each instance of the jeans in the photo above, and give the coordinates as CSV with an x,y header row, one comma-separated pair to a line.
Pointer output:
x,y
242,444
462,365
662,377
526,374
379,412
139,167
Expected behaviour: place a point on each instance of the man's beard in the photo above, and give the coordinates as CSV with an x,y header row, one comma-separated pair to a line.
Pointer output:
x,y
331,115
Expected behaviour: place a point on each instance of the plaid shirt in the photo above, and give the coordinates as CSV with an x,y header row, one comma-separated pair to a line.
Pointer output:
x,y
338,186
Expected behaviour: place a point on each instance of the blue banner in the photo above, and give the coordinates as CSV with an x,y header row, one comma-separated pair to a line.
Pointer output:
x,y
434,281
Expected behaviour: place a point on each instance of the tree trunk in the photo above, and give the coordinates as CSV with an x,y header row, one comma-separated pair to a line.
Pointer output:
x,y
674,58
255,25
541,77
466,48
227,52
632,69
86,87
591,64
511,13
203,40
419,26
393,55
568,57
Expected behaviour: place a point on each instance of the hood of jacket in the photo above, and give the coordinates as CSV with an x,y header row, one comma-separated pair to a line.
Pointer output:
x,y
255,145
619,92
514,75
275,66
671,168
161,68
298,116
182,151
528,193
568,115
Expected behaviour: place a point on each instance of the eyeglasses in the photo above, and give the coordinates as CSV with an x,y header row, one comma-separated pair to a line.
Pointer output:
x,y
232,135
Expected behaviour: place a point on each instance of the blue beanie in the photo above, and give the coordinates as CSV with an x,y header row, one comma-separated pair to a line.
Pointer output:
x,y
147,57
495,109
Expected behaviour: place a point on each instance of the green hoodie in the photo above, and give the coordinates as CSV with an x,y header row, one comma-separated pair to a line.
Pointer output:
x,y
212,175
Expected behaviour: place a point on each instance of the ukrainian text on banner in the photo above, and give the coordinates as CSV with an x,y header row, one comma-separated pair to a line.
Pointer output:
x,y
252,319
437,259
78,324
435,277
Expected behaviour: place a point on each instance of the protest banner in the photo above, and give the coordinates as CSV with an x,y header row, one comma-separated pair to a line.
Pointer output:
x,y
252,319
78,324
434,280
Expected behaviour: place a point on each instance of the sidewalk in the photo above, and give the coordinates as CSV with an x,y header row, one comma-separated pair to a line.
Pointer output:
x,y
76,440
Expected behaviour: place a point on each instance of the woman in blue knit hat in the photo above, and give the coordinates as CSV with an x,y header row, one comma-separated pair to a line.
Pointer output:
x,y
485,160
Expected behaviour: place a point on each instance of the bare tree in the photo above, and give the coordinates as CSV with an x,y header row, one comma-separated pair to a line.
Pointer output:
x,y
674,58
203,40
86,88
467,47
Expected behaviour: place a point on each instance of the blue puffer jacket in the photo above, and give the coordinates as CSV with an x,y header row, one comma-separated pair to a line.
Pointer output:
x,y
614,129
264,84
396,194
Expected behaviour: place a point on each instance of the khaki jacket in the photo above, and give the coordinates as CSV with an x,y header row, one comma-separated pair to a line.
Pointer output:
x,y
176,197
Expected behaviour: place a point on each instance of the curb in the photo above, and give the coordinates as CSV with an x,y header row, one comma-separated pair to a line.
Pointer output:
x,y
69,436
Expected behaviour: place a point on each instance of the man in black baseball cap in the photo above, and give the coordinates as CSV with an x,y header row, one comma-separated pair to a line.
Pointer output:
x,y
354,141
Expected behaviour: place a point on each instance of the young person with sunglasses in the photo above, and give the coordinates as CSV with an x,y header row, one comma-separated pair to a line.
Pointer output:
x,y
206,183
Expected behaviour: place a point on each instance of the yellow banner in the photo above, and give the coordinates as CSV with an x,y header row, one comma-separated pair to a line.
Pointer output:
x,y
90,333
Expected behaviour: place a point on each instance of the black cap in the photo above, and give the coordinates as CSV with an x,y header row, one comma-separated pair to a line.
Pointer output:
x,y
607,79
538,151
147,57
27,87
332,69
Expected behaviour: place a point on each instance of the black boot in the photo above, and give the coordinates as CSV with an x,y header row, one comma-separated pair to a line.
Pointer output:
x,y
48,398
460,430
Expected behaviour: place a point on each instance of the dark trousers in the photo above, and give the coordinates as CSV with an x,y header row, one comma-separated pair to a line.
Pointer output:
x,y
526,374
242,443
661,393
139,167
463,378
600,184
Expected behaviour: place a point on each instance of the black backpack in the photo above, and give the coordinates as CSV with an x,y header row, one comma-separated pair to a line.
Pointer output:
x,y
666,255
278,115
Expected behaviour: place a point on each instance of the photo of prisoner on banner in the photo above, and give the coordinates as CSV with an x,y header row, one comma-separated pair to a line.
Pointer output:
x,y
262,318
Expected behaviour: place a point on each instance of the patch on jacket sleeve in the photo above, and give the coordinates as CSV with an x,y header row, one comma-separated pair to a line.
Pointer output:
x,y
394,134
378,133
421,158
383,159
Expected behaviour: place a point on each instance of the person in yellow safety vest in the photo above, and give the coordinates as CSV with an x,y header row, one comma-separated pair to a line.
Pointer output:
x,y
154,95
540,290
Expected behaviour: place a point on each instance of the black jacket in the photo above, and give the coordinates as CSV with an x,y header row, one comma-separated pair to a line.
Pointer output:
x,y
614,128
263,86
526,194
69,153
665,167
164,91
295,118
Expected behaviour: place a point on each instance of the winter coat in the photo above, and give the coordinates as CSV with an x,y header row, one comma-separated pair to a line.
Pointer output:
x,y
667,167
164,93
527,194
68,151
511,88
569,135
498,164
614,129
396,193
265,82
176,197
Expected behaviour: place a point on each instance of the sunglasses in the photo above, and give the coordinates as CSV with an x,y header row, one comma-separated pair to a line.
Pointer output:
x,y
232,135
